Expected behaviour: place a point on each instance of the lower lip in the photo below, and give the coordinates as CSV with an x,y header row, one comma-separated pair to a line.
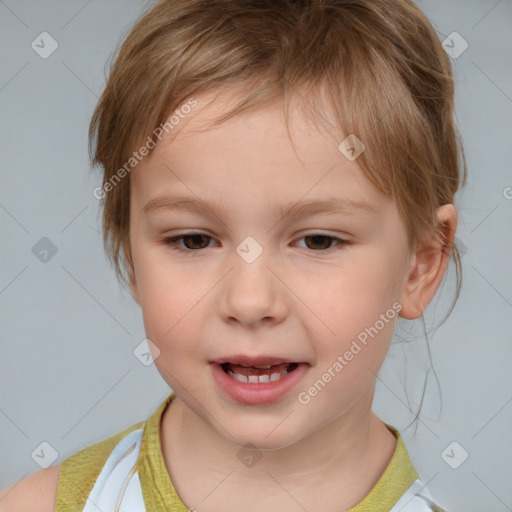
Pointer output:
x,y
257,393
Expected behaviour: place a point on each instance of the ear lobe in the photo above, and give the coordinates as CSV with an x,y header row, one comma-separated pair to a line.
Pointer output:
x,y
429,264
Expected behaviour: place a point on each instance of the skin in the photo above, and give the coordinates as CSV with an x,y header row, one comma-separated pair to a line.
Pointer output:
x,y
299,299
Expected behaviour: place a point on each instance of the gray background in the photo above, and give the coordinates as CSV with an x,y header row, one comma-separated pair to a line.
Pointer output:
x,y
68,375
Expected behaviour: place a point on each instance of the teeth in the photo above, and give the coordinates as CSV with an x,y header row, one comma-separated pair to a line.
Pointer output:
x,y
254,379
265,367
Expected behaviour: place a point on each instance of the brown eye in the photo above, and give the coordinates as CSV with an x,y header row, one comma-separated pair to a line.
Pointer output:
x,y
318,241
323,243
191,242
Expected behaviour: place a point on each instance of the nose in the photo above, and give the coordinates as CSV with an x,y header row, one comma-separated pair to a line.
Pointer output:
x,y
251,294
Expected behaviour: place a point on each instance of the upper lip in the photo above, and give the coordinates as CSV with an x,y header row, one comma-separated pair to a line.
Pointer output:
x,y
245,360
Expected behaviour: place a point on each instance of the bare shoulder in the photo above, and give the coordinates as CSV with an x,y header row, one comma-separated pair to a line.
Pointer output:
x,y
36,492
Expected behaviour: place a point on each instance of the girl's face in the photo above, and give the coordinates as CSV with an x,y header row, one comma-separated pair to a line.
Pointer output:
x,y
243,249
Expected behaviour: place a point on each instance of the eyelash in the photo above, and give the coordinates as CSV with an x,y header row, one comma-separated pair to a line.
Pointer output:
x,y
172,243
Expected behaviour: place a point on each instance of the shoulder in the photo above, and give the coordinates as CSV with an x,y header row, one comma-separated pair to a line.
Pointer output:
x,y
36,492
79,472
64,487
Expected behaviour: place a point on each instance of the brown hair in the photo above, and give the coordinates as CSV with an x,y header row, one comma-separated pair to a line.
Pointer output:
x,y
379,64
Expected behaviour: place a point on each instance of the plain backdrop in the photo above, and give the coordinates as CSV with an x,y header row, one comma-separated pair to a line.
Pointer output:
x,y
68,373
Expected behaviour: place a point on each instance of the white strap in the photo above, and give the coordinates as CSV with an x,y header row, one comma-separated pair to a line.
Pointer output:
x,y
133,501
117,473
416,499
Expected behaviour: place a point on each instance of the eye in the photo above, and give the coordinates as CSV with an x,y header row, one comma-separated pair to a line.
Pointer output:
x,y
322,243
194,242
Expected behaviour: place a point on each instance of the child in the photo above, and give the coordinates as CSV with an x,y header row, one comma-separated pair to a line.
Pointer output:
x,y
271,254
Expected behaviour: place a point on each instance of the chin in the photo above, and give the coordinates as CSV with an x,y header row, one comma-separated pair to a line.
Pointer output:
x,y
260,439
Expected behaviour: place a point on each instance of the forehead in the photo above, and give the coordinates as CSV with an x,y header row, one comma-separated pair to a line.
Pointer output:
x,y
251,149
311,116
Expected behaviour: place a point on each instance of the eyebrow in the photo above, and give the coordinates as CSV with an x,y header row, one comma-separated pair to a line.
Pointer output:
x,y
330,205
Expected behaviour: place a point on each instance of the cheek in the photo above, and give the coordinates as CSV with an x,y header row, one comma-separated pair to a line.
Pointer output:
x,y
358,291
173,304
168,307
172,316
161,291
358,308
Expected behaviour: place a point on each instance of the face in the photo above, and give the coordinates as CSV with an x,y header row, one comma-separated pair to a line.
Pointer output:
x,y
247,252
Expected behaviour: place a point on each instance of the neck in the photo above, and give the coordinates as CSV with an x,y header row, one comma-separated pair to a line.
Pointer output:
x,y
346,456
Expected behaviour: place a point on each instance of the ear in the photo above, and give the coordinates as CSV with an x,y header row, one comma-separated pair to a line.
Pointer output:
x,y
429,264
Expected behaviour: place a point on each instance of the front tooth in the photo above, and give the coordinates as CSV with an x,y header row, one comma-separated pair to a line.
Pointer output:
x,y
265,367
240,378
256,378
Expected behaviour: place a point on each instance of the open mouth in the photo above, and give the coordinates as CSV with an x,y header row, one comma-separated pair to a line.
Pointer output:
x,y
258,374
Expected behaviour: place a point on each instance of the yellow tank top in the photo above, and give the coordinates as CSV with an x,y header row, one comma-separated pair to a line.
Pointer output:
x,y
79,472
